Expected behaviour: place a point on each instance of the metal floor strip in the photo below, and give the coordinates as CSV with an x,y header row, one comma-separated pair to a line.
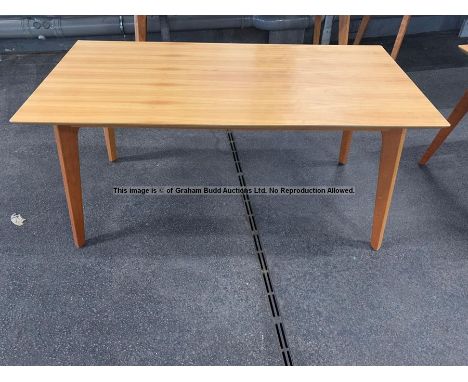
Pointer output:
x,y
275,312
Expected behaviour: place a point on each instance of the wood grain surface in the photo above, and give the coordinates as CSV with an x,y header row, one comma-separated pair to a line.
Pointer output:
x,y
203,85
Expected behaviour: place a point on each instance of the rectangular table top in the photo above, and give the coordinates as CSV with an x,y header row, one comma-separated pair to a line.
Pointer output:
x,y
209,85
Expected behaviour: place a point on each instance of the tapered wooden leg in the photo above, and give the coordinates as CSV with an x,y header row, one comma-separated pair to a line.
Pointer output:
x,y
361,30
140,28
317,30
346,138
390,153
456,116
66,138
343,29
400,36
109,136
343,35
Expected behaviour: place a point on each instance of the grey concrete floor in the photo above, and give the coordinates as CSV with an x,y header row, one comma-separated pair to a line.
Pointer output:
x,y
176,281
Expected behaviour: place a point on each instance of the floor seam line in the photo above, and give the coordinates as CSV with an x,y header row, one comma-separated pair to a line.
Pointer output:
x,y
272,301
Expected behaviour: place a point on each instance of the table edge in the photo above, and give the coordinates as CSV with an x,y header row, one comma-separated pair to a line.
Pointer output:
x,y
234,127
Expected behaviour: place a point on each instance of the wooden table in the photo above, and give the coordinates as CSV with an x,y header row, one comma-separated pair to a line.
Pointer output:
x,y
228,86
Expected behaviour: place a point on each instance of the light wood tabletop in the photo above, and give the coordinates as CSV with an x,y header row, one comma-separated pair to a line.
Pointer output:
x,y
464,48
228,86
231,85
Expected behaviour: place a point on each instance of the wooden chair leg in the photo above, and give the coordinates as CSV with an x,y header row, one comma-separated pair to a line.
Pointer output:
x,y
343,29
140,28
455,117
390,153
361,30
66,138
317,30
400,36
109,136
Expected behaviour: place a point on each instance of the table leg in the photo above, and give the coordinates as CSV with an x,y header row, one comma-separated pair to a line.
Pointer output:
x,y
343,37
109,136
390,153
455,116
66,138
346,138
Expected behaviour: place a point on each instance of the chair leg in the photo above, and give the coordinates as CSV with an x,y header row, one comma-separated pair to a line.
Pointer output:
x,y
400,36
361,30
455,117
343,29
109,136
317,30
140,28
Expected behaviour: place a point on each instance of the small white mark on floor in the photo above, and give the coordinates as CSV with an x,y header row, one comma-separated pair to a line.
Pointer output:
x,y
17,219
